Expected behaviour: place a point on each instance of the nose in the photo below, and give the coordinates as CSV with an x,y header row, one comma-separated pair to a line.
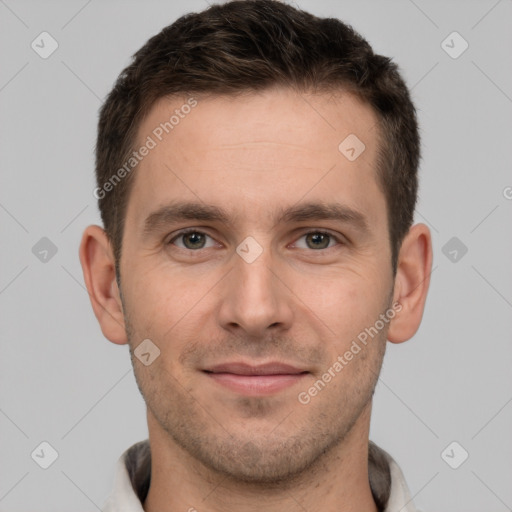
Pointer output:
x,y
254,298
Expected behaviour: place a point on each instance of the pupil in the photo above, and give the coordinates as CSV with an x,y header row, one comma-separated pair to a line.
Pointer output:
x,y
196,240
319,237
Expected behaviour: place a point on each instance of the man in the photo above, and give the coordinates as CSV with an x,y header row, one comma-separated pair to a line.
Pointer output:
x,y
257,177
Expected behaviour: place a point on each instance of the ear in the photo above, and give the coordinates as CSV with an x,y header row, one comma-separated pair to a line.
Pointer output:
x,y
98,266
411,283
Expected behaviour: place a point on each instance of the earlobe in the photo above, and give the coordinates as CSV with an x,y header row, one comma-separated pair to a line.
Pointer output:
x,y
411,283
98,267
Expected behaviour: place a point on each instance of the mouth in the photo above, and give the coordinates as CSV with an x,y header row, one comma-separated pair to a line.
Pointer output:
x,y
255,380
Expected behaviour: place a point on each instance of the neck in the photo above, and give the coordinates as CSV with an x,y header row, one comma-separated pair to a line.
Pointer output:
x,y
336,482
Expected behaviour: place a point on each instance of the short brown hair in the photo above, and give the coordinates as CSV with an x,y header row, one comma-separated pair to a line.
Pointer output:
x,y
249,45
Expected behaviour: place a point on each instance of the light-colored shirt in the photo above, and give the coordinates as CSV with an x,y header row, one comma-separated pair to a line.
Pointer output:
x,y
133,475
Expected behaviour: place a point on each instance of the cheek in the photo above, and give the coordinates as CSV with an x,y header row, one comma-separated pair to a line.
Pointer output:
x,y
155,292
168,307
346,302
150,309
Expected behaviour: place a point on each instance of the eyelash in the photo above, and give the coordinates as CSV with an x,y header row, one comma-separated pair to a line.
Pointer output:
x,y
313,231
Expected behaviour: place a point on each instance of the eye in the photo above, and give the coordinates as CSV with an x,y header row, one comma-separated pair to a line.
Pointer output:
x,y
318,240
192,240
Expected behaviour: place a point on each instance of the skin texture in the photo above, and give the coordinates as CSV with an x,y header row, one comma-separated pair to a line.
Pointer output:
x,y
213,448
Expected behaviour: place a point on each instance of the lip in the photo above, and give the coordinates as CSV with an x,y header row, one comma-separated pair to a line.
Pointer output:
x,y
257,380
241,368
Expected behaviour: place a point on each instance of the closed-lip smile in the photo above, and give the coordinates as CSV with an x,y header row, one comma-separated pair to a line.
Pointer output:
x,y
255,380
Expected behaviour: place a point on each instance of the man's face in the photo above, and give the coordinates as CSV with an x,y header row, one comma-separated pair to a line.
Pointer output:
x,y
257,286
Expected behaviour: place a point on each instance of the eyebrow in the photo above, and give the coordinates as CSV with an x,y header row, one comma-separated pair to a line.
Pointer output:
x,y
178,211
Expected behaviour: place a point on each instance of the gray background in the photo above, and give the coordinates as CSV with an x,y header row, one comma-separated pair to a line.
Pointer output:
x,y
63,383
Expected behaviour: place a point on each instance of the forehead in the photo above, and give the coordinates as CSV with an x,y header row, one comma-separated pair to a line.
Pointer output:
x,y
311,122
272,147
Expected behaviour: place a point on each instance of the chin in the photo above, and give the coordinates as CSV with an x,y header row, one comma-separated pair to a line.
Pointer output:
x,y
263,461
